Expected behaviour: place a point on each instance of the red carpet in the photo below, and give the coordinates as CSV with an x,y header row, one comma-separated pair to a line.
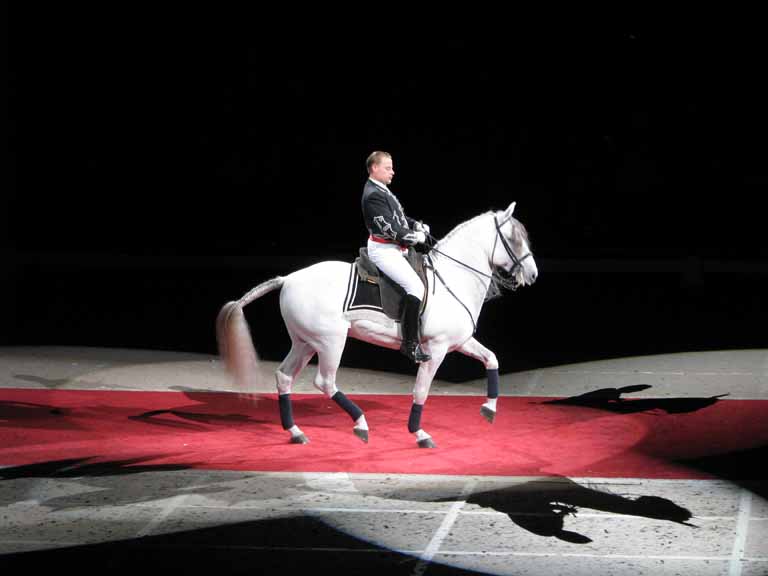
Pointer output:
x,y
224,431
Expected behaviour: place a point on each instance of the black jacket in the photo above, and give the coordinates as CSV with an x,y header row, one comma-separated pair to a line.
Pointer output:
x,y
384,217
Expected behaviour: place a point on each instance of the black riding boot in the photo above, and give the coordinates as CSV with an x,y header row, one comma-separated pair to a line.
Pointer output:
x,y
410,346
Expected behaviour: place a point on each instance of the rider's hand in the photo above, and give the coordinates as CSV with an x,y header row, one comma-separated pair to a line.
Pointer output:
x,y
420,237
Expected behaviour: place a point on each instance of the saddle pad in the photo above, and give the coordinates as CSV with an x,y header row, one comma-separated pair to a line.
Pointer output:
x,y
361,295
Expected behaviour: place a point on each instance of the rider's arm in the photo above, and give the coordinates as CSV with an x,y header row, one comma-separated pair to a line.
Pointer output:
x,y
385,223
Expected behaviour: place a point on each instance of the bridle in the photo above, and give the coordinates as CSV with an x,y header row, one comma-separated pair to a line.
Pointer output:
x,y
517,263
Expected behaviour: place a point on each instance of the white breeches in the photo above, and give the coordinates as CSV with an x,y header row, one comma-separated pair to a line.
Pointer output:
x,y
390,258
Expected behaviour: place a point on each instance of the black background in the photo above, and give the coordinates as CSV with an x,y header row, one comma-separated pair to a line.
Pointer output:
x,y
163,163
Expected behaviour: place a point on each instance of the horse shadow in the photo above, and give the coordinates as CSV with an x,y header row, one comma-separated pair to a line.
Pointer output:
x,y
33,415
192,420
610,400
208,405
541,506
50,383
209,408
205,411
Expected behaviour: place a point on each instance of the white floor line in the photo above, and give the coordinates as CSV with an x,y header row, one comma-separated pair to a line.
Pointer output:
x,y
305,549
479,553
344,510
165,511
653,372
587,555
375,510
491,513
443,530
742,528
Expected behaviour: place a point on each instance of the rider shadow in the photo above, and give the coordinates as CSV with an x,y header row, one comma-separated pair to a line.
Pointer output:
x,y
610,400
540,507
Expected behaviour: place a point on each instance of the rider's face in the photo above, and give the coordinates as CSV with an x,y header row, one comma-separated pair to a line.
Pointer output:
x,y
383,171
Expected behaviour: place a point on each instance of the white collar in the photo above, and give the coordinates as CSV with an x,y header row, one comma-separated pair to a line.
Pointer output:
x,y
380,185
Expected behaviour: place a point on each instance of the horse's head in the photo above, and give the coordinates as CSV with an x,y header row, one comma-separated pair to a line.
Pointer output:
x,y
512,250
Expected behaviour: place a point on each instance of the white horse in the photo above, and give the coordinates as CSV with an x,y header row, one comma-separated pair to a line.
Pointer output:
x,y
467,267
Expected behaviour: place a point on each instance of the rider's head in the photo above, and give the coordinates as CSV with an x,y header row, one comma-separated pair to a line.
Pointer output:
x,y
379,165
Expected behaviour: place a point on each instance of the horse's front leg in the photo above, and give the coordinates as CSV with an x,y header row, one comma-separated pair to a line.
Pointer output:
x,y
474,349
424,378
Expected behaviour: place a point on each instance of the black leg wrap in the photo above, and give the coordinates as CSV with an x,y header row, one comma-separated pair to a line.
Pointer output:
x,y
493,383
414,420
286,411
349,407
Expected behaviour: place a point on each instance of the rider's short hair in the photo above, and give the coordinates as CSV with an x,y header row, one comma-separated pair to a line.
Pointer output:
x,y
375,158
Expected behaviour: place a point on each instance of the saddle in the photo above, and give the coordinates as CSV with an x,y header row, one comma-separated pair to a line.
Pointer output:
x,y
370,289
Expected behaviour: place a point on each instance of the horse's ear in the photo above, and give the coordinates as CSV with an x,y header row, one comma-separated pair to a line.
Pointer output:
x,y
508,212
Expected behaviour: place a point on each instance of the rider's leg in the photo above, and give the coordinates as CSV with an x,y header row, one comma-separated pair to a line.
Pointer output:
x,y
389,258
410,326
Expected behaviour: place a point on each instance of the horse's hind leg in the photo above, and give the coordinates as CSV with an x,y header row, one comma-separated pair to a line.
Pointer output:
x,y
301,353
474,349
328,359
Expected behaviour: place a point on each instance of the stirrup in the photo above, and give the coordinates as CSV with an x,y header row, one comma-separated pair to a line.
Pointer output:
x,y
413,351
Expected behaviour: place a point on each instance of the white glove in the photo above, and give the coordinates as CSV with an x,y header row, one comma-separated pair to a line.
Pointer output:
x,y
420,237
423,227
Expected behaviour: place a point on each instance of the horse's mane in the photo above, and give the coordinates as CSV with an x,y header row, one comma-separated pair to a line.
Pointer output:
x,y
458,228
524,232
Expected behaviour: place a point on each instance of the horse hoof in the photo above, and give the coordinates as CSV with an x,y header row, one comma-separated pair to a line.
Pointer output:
x,y
300,439
362,434
426,443
488,414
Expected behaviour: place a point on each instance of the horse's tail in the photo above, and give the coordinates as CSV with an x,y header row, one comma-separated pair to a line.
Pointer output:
x,y
234,338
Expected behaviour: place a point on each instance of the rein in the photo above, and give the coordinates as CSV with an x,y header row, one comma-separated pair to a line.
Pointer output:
x,y
475,270
431,264
499,236
518,262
